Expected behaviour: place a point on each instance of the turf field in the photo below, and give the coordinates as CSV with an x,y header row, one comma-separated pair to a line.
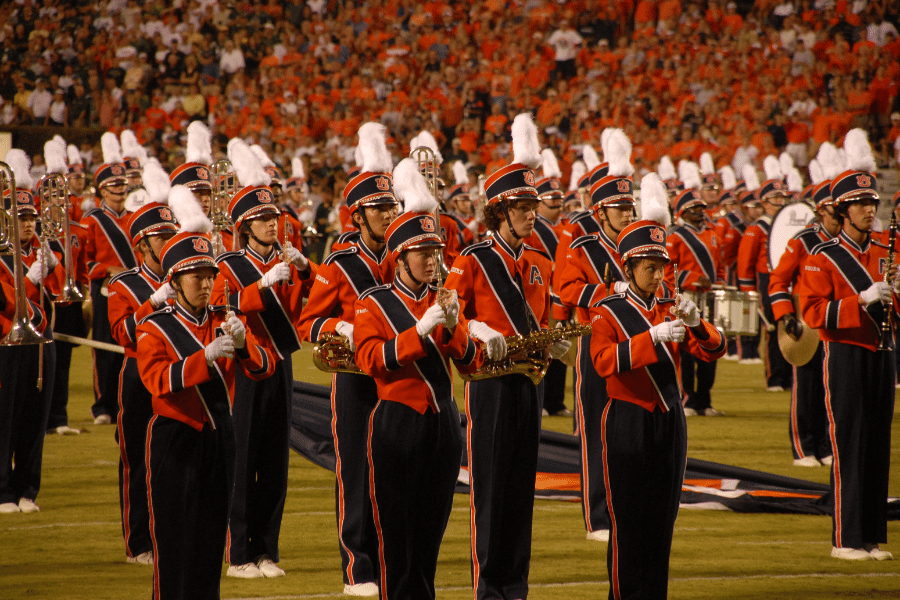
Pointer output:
x,y
73,548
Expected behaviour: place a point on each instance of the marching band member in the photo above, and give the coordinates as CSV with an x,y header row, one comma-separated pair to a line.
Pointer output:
x,y
133,295
709,189
340,280
269,290
134,157
504,290
584,221
459,205
846,292
751,210
450,226
753,269
77,182
188,357
696,250
635,345
405,336
289,228
109,252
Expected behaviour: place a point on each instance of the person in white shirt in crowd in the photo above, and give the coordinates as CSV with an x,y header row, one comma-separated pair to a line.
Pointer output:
x,y
58,115
232,59
39,102
565,42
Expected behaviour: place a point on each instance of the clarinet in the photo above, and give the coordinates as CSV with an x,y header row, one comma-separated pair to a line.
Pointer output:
x,y
887,324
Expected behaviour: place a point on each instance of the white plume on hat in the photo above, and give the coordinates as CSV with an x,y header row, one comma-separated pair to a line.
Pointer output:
x,y
357,156
373,149
199,147
666,169
751,179
707,166
689,174
526,149
427,140
112,151
830,160
20,164
132,148
156,182
816,175
859,152
794,180
74,155
729,179
55,157
741,158
264,159
187,209
655,200
772,168
618,153
297,170
604,142
591,160
411,188
460,175
787,163
246,164
578,171
550,164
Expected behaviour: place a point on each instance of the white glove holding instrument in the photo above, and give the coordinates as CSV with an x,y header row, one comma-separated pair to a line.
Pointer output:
x,y
559,349
278,273
346,329
52,261
689,312
452,310
38,270
221,347
237,331
620,286
670,331
496,344
165,293
433,317
296,258
879,291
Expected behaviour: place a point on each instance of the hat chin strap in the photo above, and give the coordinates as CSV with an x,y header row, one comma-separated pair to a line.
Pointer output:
x,y
512,229
375,238
184,299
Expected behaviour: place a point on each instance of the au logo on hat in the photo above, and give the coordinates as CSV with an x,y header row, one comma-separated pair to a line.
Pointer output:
x,y
382,183
264,196
117,170
427,224
165,214
201,245
623,186
863,180
656,235
529,178
203,173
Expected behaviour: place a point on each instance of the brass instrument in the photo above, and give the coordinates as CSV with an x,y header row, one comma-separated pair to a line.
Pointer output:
x,y
229,312
427,161
527,355
608,280
887,324
332,354
21,331
480,200
676,312
224,188
54,193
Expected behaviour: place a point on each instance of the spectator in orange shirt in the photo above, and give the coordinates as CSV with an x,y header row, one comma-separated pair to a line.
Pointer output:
x,y
732,22
496,123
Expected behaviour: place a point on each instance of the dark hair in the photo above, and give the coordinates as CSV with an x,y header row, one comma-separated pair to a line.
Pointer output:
x,y
493,216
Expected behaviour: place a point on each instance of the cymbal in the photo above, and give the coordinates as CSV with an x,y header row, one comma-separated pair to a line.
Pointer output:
x,y
798,352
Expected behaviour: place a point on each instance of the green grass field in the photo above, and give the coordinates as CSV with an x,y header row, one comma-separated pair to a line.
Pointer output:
x,y
73,548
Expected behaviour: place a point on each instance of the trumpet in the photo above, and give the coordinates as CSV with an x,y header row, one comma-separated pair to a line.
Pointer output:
x,y
224,189
54,193
887,325
526,355
332,354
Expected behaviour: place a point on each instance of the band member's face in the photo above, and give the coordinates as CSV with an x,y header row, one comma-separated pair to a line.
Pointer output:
x,y
276,192
550,208
76,184
134,179
114,194
196,285
204,197
573,206
772,204
862,214
464,206
616,218
695,215
753,211
710,196
829,222
380,216
647,275
422,263
154,244
296,196
522,214
265,229
27,224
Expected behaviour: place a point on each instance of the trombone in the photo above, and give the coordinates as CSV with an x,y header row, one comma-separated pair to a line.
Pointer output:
x,y
54,193
428,166
224,189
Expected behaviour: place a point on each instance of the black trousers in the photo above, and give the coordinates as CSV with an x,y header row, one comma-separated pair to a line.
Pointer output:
x,y
107,365
808,425
555,387
503,431
135,412
413,466
352,399
590,400
697,379
645,454
69,320
859,399
261,419
190,475
23,418
778,370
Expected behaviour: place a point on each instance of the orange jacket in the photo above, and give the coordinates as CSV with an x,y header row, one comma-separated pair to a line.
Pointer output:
x,y
129,303
785,277
582,277
753,255
107,243
697,253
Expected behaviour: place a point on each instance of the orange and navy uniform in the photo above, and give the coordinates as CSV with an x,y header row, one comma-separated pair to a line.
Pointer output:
x,y
107,242
696,253
730,229
785,277
129,302
450,232
581,281
290,226
574,226
545,237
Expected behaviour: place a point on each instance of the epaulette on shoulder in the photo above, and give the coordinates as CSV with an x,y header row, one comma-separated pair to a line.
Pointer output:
x,y
825,245
665,300
480,245
813,228
580,215
168,308
347,236
608,299
336,255
372,290
538,250
216,308
880,245
92,212
76,224
227,255
122,274
584,239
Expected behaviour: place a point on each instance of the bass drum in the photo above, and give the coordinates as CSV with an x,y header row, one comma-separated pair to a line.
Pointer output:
x,y
787,222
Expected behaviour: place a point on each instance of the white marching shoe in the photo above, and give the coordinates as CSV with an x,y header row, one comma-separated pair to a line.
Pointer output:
x,y
361,589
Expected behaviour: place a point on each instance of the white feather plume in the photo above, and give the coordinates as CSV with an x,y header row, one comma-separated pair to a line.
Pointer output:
x,y
772,168
666,169
297,170
655,200
112,151
858,151
132,148
729,179
842,159
460,175
55,157
357,156
373,148
60,140
689,174
604,142
74,155
526,150
816,174
707,166
794,180
20,164
591,160
187,209
618,153
787,163
246,164
156,182
751,178
578,171
426,139
830,160
199,144
741,158
411,188
551,165
264,159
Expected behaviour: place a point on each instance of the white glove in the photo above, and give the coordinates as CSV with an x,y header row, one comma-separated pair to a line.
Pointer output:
x,y
452,310
38,270
296,258
235,328
346,329
433,317
670,331
879,291
280,272
689,312
165,293
496,344
52,261
560,348
221,347
620,286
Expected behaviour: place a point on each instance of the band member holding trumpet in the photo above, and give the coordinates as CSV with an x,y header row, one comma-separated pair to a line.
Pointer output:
x,y
504,290
635,344
340,280
406,334
189,354
846,292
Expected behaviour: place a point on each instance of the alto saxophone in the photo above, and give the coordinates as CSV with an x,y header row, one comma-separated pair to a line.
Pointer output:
x,y
527,355
332,354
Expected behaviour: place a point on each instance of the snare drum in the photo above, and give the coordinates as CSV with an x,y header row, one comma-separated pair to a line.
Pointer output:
x,y
735,312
